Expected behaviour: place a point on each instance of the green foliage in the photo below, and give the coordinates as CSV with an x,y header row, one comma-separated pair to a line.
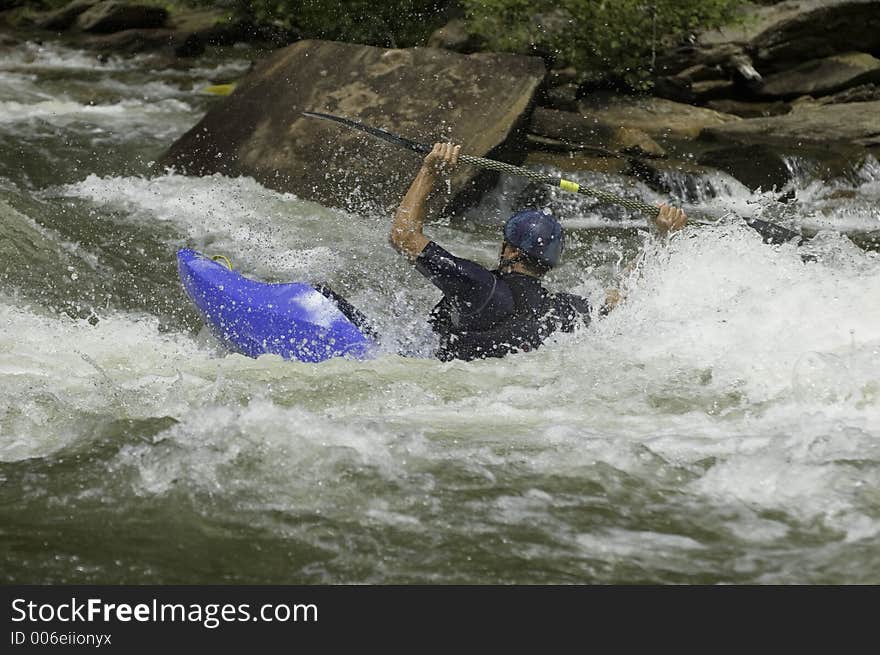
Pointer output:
x,y
610,39
374,22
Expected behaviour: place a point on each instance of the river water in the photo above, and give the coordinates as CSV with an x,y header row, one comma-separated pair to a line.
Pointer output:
x,y
721,426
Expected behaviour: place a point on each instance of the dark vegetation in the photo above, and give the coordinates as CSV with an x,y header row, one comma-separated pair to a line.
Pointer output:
x,y
602,39
610,41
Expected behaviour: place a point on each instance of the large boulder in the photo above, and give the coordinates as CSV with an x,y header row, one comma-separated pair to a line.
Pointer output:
x,y
819,77
807,29
855,123
427,94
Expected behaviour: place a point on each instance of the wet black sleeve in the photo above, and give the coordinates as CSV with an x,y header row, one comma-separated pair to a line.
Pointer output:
x,y
473,288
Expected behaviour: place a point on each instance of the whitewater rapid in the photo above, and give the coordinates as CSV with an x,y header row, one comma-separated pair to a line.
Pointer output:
x,y
722,425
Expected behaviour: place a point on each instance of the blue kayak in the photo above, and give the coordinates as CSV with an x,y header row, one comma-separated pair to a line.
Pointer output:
x,y
296,320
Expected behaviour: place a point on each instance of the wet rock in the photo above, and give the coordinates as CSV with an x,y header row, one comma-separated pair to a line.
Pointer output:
x,y
779,36
187,33
746,109
819,77
861,93
563,97
699,73
633,141
722,77
756,166
673,89
426,94
657,117
579,132
741,69
807,29
712,89
63,18
112,16
179,44
807,123
455,36
547,144
576,162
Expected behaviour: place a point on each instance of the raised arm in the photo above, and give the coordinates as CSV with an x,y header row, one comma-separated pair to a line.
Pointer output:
x,y
406,231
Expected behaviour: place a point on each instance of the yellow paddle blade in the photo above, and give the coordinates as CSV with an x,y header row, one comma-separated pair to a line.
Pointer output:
x,y
219,89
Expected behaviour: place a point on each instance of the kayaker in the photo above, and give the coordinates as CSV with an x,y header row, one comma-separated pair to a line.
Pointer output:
x,y
487,313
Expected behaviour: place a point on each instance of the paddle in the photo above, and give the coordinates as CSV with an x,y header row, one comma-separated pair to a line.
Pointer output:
x,y
771,233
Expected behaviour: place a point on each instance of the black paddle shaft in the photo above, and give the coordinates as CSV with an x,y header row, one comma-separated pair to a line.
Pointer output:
x,y
771,233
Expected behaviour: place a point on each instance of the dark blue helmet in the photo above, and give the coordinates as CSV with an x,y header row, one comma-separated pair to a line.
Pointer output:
x,y
537,233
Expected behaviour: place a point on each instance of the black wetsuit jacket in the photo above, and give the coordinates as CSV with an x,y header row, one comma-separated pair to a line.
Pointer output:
x,y
485,313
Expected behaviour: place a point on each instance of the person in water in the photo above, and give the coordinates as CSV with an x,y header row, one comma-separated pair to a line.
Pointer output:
x,y
494,313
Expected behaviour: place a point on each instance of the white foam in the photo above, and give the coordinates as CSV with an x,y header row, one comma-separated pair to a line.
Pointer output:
x,y
57,371
64,111
53,56
264,232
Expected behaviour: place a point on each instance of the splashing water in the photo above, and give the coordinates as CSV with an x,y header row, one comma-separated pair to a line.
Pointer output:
x,y
722,425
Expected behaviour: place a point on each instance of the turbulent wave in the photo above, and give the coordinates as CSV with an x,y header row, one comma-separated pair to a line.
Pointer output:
x,y
721,425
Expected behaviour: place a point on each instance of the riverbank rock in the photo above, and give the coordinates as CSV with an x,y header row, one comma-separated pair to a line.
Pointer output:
x,y
769,39
112,16
657,117
178,44
112,26
819,77
187,33
862,93
807,29
580,132
64,18
480,101
747,109
855,123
